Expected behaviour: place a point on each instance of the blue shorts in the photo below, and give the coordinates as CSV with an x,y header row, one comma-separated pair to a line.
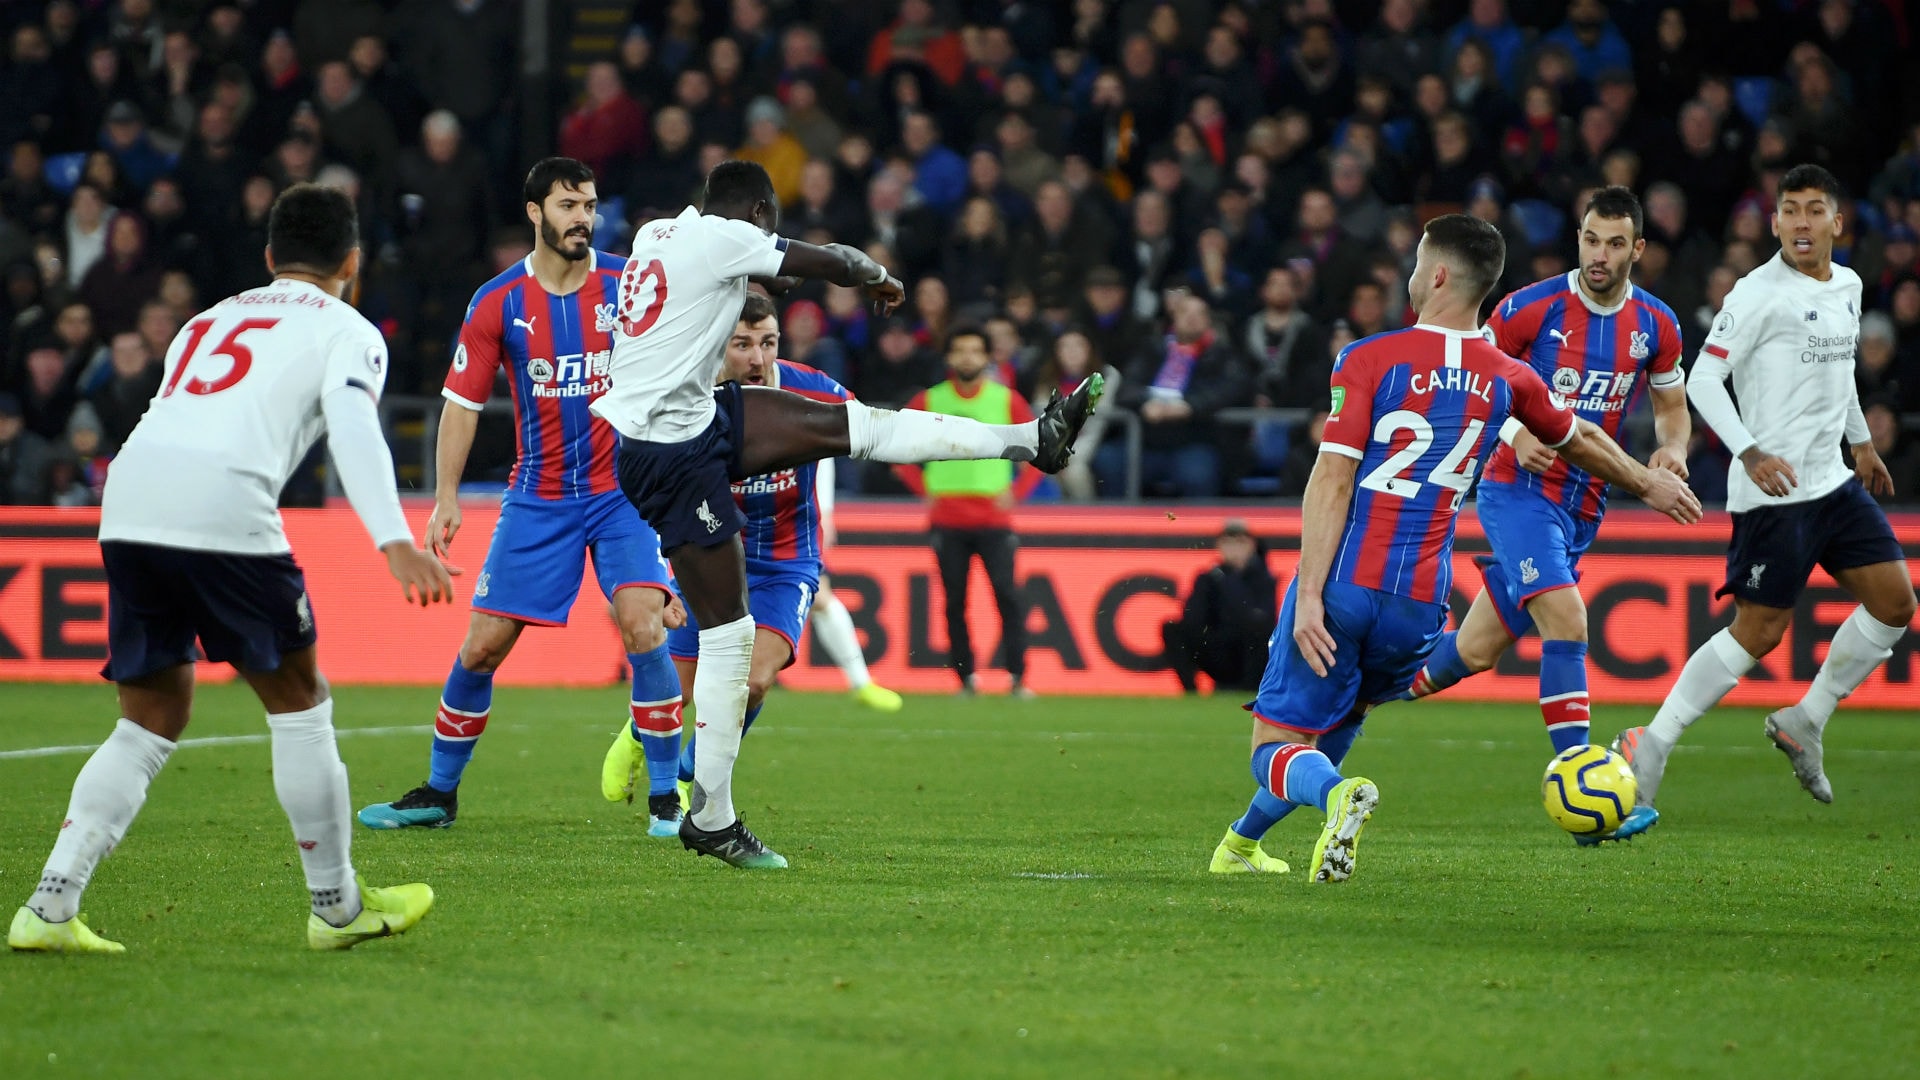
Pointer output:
x,y
539,552
245,610
777,602
685,489
1537,546
1775,548
1381,640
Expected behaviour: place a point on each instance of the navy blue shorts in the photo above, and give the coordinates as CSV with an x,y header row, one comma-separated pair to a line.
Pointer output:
x,y
244,610
1775,548
685,489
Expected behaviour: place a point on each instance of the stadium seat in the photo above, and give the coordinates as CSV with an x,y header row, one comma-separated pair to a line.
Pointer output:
x,y
1754,96
1540,220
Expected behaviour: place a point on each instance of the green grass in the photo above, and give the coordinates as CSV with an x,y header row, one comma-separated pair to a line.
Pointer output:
x,y
1754,933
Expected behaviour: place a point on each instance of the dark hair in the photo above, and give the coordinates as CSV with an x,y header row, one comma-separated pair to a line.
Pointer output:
x,y
1617,202
312,227
966,330
757,308
1474,248
1812,178
547,172
738,184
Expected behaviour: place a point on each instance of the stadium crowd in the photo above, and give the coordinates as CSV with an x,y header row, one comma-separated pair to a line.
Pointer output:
x,y
1206,200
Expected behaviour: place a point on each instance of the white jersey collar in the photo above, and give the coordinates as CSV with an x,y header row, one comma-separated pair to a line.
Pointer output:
x,y
1573,284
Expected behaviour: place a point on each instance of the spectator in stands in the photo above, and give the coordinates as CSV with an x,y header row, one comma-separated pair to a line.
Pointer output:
x,y
1398,48
1024,162
1302,455
87,226
122,280
940,175
1287,349
1067,365
1895,448
1149,258
909,229
1362,214
134,377
932,307
668,176
1876,375
816,130
384,83
47,397
1176,387
804,340
1050,254
1592,40
1487,22
1711,178
24,457
1904,305
26,199
1227,617
355,130
975,262
74,335
464,55
899,367
770,145
970,507
126,139
31,88
918,34
1226,287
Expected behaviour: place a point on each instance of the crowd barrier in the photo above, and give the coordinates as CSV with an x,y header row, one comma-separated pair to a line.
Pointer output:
x,y
1097,583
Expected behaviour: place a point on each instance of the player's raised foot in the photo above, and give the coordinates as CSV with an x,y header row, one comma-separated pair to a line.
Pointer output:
x,y
1793,731
625,764
1649,760
423,807
1239,855
878,698
663,814
31,933
1060,424
1637,821
383,913
1349,806
734,845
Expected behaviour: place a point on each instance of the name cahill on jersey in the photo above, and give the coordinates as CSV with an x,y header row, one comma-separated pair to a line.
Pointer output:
x,y
1452,378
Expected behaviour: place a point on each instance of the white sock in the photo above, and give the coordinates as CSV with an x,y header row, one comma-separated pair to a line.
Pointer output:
x,y
107,795
833,629
720,710
1710,673
1861,644
311,781
908,437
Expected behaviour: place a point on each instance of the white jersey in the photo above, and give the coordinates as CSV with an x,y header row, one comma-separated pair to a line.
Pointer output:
x,y
238,410
1788,340
680,295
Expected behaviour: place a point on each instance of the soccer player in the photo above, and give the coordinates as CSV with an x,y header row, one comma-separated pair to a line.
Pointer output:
x,y
1787,334
194,548
1598,341
683,443
783,549
549,321
1414,414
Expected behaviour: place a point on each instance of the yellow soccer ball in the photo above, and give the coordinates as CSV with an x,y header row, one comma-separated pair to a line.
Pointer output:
x,y
1588,790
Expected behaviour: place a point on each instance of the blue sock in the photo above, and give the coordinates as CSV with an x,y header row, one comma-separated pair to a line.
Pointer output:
x,y
1442,669
1297,773
1336,743
1563,693
464,704
654,716
1262,814
686,752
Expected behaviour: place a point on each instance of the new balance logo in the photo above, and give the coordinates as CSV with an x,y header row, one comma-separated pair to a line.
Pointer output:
x,y
1559,336
706,516
1753,575
1528,575
526,324
1813,316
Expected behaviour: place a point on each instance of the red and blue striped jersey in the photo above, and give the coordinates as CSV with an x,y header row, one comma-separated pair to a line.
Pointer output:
x,y
555,350
1593,359
782,508
1421,408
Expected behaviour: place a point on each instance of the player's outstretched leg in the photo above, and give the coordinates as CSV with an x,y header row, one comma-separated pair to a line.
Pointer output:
x,y
107,795
833,629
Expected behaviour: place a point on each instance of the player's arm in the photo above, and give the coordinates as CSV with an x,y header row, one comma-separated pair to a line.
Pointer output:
x,y
1672,421
1736,330
843,265
1514,329
469,383
1584,444
1867,466
1328,498
365,467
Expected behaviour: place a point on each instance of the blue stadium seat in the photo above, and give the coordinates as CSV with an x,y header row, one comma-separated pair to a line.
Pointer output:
x,y
1754,96
1540,220
63,171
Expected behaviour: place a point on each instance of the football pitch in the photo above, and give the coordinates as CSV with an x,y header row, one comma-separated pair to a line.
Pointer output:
x,y
982,888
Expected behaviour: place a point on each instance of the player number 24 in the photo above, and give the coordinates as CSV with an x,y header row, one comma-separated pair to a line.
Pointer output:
x,y
1455,471
239,356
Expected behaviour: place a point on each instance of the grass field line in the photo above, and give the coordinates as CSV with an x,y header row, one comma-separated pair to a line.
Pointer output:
x,y
211,740
938,733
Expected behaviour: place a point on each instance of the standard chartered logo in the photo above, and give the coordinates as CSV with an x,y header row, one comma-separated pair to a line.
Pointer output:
x,y
1827,350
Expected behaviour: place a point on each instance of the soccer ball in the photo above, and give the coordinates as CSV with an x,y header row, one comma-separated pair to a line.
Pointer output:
x,y
1588,790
